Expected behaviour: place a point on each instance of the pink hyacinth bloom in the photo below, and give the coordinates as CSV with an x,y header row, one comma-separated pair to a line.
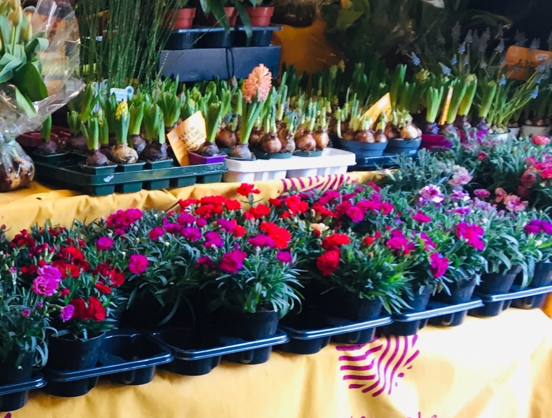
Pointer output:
x,y
258,84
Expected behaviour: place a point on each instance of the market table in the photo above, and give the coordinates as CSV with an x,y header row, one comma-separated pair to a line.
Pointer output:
x,y
485,368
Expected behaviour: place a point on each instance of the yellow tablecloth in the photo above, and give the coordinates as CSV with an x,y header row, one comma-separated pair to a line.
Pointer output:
x,y
23,208
485,368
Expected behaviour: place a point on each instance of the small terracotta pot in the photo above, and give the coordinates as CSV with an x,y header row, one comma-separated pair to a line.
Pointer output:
x,y
231,14
260,16
182,18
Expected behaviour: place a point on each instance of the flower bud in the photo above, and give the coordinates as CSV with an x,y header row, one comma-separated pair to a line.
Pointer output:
x,y
28,33
16,16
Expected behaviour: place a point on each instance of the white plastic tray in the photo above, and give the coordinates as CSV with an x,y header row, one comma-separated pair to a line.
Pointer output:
x,y
332,161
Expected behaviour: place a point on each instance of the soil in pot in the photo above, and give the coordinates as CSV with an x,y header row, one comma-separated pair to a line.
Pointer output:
x,y
348,306
247,326
498,283
74,354
10,374
459,292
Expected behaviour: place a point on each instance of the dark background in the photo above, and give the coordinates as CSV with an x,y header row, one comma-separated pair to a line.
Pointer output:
x,y
533,17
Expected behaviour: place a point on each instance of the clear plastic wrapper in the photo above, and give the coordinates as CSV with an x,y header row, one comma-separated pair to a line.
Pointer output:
x,y
39,56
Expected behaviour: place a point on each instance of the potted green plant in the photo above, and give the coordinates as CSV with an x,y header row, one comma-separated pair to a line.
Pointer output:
x,y
135,125
122,153
94,158
85,102
540,230
255,89
156,148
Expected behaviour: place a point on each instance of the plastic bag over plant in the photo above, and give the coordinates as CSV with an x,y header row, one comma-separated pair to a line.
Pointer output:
x,y
39,55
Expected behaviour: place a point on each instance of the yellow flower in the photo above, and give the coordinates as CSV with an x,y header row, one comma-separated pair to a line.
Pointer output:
x,y
122,110
346,4
341,65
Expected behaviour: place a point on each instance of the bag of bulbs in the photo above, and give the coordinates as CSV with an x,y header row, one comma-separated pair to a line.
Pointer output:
x,y
39,54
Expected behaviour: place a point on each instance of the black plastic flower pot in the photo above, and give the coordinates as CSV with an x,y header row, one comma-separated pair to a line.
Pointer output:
x,y
74,354
247,326
262,36
340,304
419,300
15,396
498,283
10,374
459,293
543,275
182,39
363,149
403,147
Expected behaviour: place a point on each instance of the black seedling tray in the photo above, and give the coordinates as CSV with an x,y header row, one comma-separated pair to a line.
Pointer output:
x,y
311,341
198,355
126,358
15,396
69,174
529,298
437,313
199,64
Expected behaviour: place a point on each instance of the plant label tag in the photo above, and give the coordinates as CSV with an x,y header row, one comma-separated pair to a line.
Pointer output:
x,y
383,105
447,106
188,136
122,94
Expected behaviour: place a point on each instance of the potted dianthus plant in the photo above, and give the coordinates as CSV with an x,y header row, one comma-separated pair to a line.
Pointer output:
x,y
358,276
156,261
24,324
82,298
540,229
248,272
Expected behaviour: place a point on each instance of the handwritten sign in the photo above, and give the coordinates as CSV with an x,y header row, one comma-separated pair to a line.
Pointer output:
x,y
188,136
381,106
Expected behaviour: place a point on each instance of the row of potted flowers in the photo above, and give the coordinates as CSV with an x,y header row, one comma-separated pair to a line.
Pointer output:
x,y
350,252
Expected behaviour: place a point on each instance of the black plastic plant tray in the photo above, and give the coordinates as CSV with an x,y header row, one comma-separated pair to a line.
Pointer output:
x,y
262,35
15,396
196,356
371,163
199,64
529,298
311,341
72,177
126,358
437,313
